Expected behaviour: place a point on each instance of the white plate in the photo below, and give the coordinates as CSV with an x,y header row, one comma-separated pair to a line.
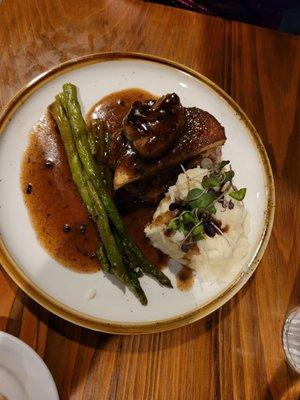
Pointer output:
x,y
63,291
23,374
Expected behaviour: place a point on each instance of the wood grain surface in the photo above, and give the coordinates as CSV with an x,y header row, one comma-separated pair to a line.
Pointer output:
x,y
236,352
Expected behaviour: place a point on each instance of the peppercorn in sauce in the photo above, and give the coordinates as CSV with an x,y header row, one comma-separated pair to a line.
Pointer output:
x,y
58,216
57,213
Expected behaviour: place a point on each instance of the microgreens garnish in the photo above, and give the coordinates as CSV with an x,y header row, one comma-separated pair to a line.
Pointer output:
x,y
205,202
238,194
196,217
198,232
211,181
221,165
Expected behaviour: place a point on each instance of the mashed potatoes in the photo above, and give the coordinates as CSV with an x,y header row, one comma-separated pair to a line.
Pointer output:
x,y
209,256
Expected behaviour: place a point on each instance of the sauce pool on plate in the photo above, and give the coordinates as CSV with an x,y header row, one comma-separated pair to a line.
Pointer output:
x,y
113,107
57,213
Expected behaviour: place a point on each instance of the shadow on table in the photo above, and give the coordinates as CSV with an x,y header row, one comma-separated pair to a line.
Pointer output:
x,y
290,167
284,370
283,389
4,322
294,299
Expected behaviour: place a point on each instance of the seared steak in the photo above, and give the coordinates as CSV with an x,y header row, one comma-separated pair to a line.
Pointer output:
x,y
201,132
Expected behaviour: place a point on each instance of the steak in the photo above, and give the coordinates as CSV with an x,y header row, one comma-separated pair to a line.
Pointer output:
x,y
201,133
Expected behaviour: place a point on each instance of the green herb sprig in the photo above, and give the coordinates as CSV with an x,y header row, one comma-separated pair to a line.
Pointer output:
x,y
195,219
238,194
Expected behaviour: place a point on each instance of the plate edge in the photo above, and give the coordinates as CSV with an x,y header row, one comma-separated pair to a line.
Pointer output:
x,y
162,325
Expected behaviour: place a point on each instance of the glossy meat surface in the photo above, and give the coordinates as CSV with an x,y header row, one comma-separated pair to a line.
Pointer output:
x,y
201,132
152,126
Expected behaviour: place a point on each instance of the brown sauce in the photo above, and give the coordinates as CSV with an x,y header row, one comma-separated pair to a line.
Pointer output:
x,y
135,223
185,278
113,107
225,229
164,218
52,199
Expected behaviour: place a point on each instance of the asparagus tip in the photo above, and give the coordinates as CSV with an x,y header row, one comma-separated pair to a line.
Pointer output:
x,y
143,299
163,279
168,284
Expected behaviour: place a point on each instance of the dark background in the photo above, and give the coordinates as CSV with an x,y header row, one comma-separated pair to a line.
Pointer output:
x,y
283,15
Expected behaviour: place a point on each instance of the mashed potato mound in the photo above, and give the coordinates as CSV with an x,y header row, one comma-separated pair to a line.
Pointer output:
x,y
212,254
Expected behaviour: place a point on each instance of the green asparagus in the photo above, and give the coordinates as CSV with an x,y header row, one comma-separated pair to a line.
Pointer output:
x,y
80,135
103,259
94,205
118,267
99,130
92,143
64,127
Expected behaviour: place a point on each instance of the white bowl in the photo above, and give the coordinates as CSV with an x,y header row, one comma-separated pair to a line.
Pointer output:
x,y
23,374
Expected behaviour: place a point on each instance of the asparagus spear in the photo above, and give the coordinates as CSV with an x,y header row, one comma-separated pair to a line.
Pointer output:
x,y
80,136
99,130
137,259
92,143
118,268
91,138
94,204
79,133
103,258
126,260
64,127
108,172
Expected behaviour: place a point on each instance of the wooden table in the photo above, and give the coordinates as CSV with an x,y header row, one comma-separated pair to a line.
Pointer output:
x,y
236,352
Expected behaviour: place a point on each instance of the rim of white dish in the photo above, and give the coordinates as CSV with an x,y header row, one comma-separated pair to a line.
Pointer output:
x,y
197,313
33,354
